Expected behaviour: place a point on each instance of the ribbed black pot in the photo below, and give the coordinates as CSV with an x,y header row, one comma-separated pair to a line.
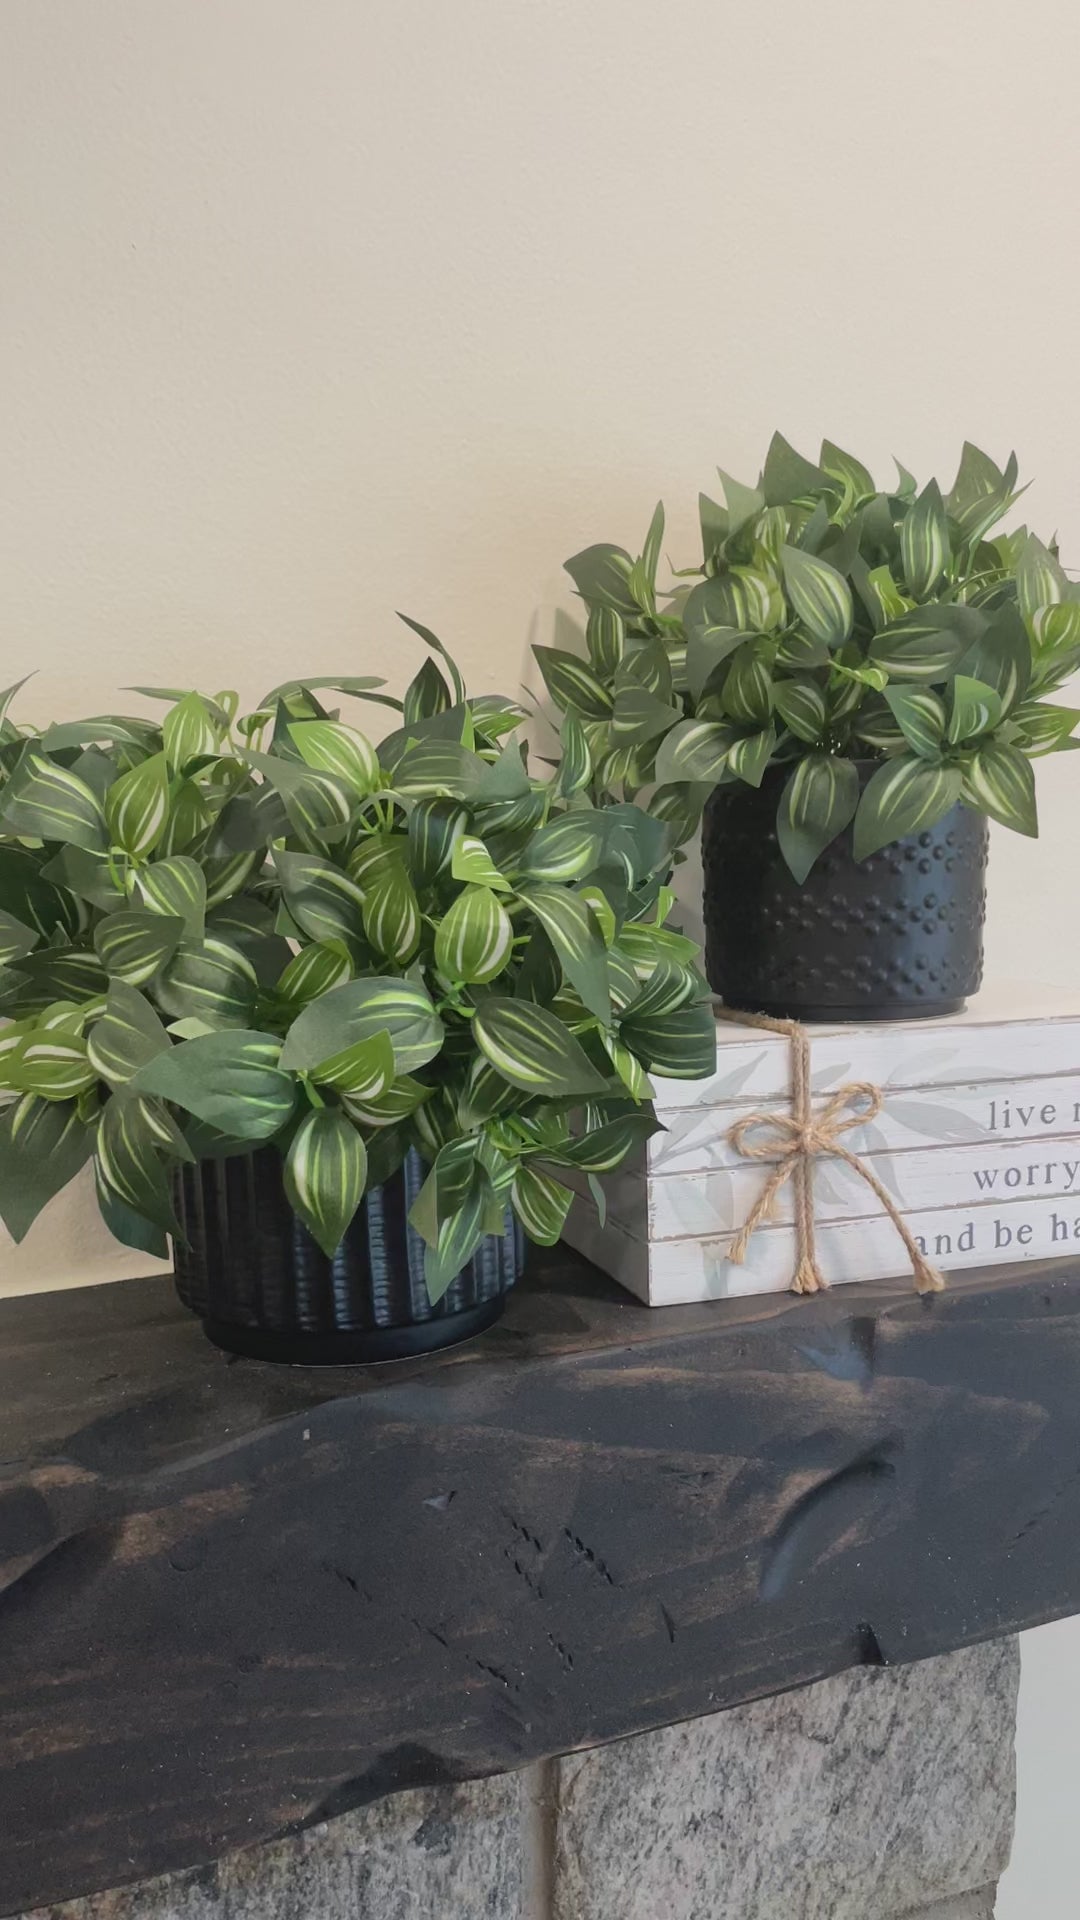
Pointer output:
x,y
263,1287
894,937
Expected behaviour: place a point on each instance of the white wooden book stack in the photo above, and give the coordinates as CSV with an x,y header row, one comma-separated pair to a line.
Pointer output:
x,y
978,1142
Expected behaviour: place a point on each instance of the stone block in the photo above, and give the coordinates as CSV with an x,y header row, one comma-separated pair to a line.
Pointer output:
x,y
864,1797
452,1852
966,1906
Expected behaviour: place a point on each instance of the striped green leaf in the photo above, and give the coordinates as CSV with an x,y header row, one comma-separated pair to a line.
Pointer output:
x,y
711,631
426,694
904,796
819,595
670,984
319,805
435,826
314,970
541,1204
1044,728
576,935
565,849
432,640
44,801
817,803
330,747
52,1063
928,643
439,767
364,1070
1001,782
975,708
212,980
459,1237
602,1149
128,1034
15,939
175,887
188,732
575,764
1040,583
471,862
388,1109
532,1049
356,1011
919,713
628,1067
640,715
58,973
924,541
601,575
137,807
979,496
475,939
856,480
750,755
43,1145
1000,657
645,946
127,1226
680,1045
787,475
30,896
87,875
325,1170
229,1080
323,901
573,685
695,750
605,637
391,916
128,1151
800,703
135,946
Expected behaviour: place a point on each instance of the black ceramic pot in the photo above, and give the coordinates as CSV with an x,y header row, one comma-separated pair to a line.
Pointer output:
x,y
894,937
263,1287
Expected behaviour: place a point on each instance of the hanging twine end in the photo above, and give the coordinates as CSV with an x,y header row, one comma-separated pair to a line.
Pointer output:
x,y
928,1278
808,1277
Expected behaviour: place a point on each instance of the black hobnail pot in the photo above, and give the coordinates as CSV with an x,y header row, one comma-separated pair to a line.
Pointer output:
x,y
263,1287
894,937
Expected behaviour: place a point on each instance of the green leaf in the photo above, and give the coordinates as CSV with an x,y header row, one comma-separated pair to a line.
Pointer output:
x,y
129,1143
575,765
575,933
605,637
565,849
387,1109
1045,728
432,640
43,1145
87,875
681,1045
127,1226
639,715
1001,782
601,1149
750,756
459,1237
856,479
189,732
471,862
137,807
800,703
363,1071
924,541
356,1011
919,713
426,694
177,888
391,915
324,902
695,750
135,946
670,984
8,695
325,1170
58,973
212,980
904,796
817,803
318,805
439,767
329,747
44,801
744,504
361,685
314,970
601,575
475,939
975,708
435,826
541,1204
15,939
1040,583
787,476
820,596
928,643
980,494
572,683
1000,657
128,1034
532,1049
230,1080
52,1063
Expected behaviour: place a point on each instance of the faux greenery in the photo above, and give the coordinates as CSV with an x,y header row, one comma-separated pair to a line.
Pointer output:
x,y
219,931
832,623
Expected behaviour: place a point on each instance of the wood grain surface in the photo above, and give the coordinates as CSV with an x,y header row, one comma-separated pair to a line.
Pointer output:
x,y
236,1599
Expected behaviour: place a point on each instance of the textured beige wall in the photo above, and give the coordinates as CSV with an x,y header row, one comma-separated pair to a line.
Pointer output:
x,y
311,311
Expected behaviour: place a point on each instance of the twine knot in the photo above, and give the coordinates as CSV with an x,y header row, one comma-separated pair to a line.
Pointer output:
x,y
793,1141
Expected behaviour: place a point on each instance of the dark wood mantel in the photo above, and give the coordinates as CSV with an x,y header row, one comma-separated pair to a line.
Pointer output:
x,y
235,1599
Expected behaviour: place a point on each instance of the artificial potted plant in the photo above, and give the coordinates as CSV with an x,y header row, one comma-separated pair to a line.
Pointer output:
x,y
323,1012
857,679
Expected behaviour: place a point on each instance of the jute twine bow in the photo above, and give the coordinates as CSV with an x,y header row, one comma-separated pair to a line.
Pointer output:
x,y
794,1140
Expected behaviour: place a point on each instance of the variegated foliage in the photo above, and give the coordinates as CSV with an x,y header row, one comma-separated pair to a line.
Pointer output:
x,y
830,623
219,932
